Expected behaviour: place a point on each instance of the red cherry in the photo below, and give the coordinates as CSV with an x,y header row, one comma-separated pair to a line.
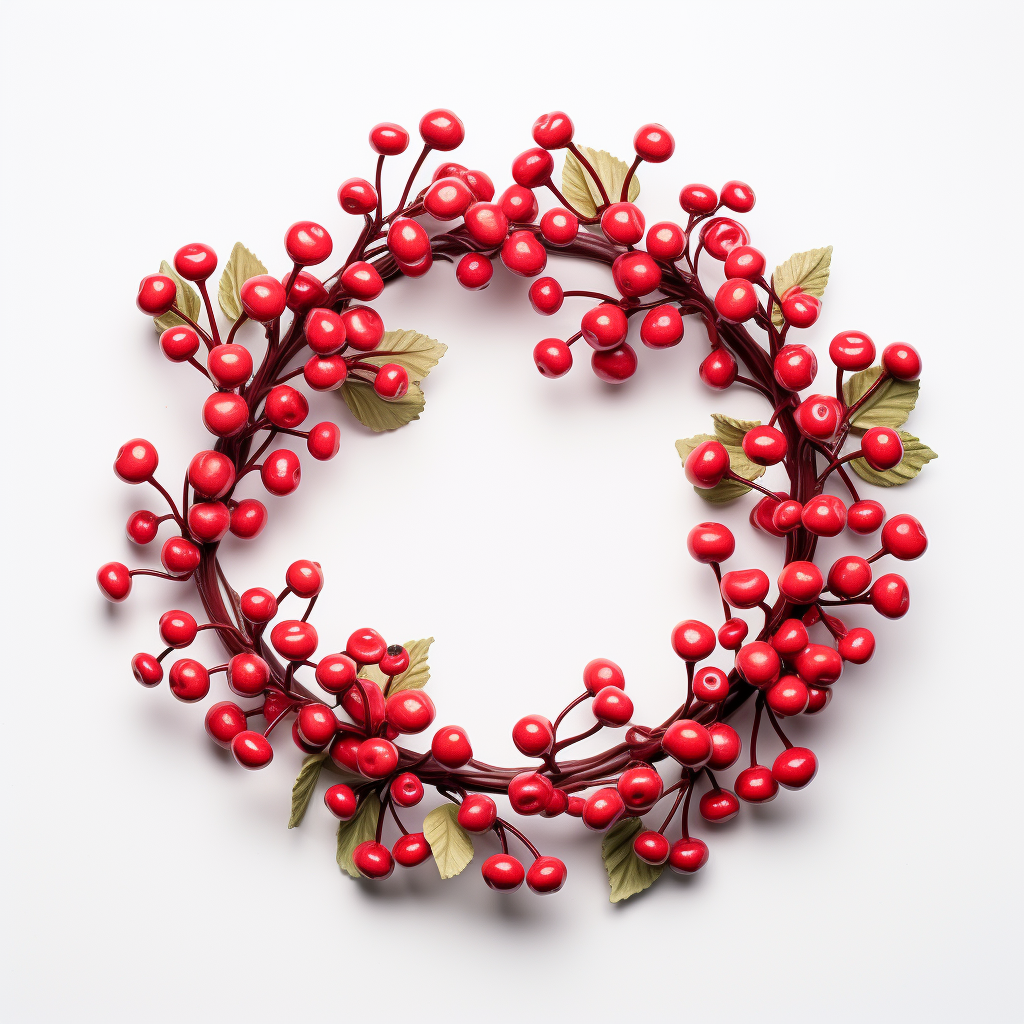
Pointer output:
x,y
364,328
615,366
259,605
745,588
224,721
343,753
698,199
787,515
411,849
688,742
765,446
654,143
819,665
448,199
441,129
361,281
727,746
376,758
662,327
523,254
901,361
636,274
317,724
732,633
502,872
795,767
281,472
189,681
142,527
666,241
263,298
789,696
903,537
710,542
824,515
758,664
335,673
603,809
357,196
324,373
559,226
532,168
366,646
230,366
480,184
352,702
719,805
157,293
800,309
529,792
745,262
736,300
177,628
693,640
408,240
211,474
391,382
307,243
409,711
251,750
294,640
612,707
818,699
388,139
179,556
136,461
640,788
341,801
801,582
795,367
688,856
225,413
762,515
601,672
395,660
865,516
576,806
557,805
248,674
324,330
756,785
857,646
711,685
487,224
882,448
518,204
546,295
546,874
373,860
553,131
718,370
707,464
651,847
890,596
450,746
849,576
852,351
623,223
474,271
790,638
179,343
195,262
406,790
553,357
738,196
533,735
721,235
477,813
248,518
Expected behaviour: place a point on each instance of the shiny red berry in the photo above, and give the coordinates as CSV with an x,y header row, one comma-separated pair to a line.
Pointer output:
x,y
553,357
411,849
615,365
756,785
409,711
738,196
230,366
865,516
824,515
640,788
406,790
636,274
532,168
698,199
147,670
602,809
651,847
546,875
601,672
251,750
189,681
477,812
688,742
450,746
819,665
389,139
518,204
523,254
903,536
248,674
533,735
179,343
707,464
736,300
795,367
529,792
307,243
719,806
362,281
364,328
546,295
788,696
764,445
890,596
180,556
795,767
248,518
857,646
474,271
553,131
357,196
623,223
693,640
666,241
653,143
294,640
448,199
901,361
373,860
281,472
882,448
341,801
335,673
391,382
487,224
662,327
801,582
745,588
718,370
852,351
710,542
225,413
559,226
376,758
157,294
711,685
732,633
263,298
502,872
688,856
612,707
745,262
849,576
177,628
800,309
211,474
136,461
441,129
721,235
727,746
317,724
758,663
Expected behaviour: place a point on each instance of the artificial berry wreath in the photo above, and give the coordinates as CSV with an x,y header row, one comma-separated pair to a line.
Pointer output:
x,y
348,710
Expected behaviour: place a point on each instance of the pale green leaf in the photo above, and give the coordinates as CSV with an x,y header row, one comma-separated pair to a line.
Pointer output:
x,y
449,842
305,783
916,456
416,352
729,430
808,269
360,829
727,490
890,404
186,299
372,411
627,873
241,265
579,187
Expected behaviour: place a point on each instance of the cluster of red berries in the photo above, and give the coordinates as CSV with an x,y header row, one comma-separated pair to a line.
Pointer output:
x,y
337,708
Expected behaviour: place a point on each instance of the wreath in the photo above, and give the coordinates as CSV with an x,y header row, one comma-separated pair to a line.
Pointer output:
x,y
351,711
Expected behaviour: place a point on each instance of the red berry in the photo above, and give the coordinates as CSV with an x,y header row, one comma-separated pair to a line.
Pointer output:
x,y
408,240
441,129
732,633
324,373
376,758
225,413
389,139
189,681
546,874
487,224
736,300
343,753
373,860
745,262
553,131
211,474
411,849
612,707
361,281
786,515
532,168
448,199
688,742
136,461
307,243
666,241
353,698
762,515
801,582
738,196
391,382
799,308
142,527
765,446
294,640
651,847
248,518
147,670
357,196
557,805
865,516
518,204
366,646
852,351
179,556
546,295
281,472
364,329
263,298
640,788
341,801
718,370
259,605
559,226
819,665
195,262
857,646
795,767
882,448
790,638
688,856
654,144
230,366
177,628
719,805
336,673
789,696
601,672
636,274
707,464
727,746
395,660
529,792
795,367
553,357
575,806
662,327
502,872
477,812
409,711
903,536
721,235
533,735
693,640
901,361
890,596
745,588
157,293
603,809
450,746
710,542
248,674
406,790
523,254
224,721
479,184
756,785
849,576
818,699
317,724
623,223
711,685
251,750
698,199
614,366
824,515
758,664
474,271
305,293
179,343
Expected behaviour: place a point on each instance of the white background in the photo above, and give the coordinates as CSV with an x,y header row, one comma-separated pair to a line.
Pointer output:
x,y
529,525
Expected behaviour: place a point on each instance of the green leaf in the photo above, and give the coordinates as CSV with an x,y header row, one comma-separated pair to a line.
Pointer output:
x,y
413,678
241,265
916,456
360,829
890,404
579,187
416,352
449,842
627,873
731,431
808,269
186,299
372,411
305,783
727,490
